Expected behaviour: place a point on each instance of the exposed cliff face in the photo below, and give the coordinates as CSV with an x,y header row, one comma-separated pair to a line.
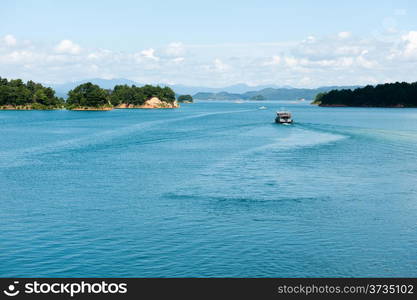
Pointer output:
x,y
151,103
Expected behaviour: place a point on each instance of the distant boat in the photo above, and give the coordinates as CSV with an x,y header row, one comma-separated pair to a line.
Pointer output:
x,y
239,101
283,117
263,107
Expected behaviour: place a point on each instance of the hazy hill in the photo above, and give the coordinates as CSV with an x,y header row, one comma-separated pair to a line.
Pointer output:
x,y
270,94
233,89
232,92
63,88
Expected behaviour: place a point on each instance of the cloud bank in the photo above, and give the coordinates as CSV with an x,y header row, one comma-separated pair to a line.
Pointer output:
x,y
340,59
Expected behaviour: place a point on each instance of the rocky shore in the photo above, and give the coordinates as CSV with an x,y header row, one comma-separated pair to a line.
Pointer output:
x,y
28,107
89,108
150,104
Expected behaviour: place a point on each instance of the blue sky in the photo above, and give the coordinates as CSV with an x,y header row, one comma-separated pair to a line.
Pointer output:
x,y
210,43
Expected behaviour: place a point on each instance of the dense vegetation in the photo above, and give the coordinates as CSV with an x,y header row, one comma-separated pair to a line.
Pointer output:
x,y
124,94
16,93
185,98
382,95
88,95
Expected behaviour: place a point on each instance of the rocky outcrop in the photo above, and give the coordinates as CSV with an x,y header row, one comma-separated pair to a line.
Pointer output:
x,y
90,108
16,107
35,106
154,102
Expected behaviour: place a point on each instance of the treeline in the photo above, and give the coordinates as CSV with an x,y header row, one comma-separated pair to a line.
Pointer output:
x,y
33,95
124,94
91,95
17,94
88,95
399,94
185,98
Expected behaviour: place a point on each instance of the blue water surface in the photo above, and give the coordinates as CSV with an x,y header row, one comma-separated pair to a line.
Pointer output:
x,y
211,189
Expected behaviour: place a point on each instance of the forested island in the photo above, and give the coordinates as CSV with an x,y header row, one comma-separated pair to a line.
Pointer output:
x,y
148,96
185,99
17,95
399,94
88,96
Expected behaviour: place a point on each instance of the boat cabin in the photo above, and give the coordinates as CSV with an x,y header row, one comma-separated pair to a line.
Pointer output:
x,y
283,117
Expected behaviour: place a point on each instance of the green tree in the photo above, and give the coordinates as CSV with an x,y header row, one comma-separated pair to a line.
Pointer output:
x,y
88,95
124,94
382,95
185,98
17,93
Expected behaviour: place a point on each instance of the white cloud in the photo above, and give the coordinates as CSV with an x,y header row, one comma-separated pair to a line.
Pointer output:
x,y
275,60
347,50
99,54
220,66
306,81
310,39
67,47
175,49
364,62
18,57
178,59
314,61
344,34
9,40
291,61
149,54
411,44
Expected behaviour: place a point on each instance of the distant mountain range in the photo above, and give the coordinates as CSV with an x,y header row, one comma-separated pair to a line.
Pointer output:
x,y
232,92
234,89
63,88
270,94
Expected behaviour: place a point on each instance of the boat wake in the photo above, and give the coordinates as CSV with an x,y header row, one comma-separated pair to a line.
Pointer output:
x,y
28,155
265,169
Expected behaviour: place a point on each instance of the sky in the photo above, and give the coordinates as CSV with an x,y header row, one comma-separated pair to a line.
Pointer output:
x,y
210,43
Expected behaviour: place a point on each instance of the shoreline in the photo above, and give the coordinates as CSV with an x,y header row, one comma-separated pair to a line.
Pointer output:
x,y
90,108
342,105
131,106
27,107
153,103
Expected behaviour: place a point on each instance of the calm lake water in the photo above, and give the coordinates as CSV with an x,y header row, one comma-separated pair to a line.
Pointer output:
x,y
210,189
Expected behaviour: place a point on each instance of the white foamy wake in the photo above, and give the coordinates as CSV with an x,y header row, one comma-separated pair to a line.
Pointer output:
x,y
300,138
